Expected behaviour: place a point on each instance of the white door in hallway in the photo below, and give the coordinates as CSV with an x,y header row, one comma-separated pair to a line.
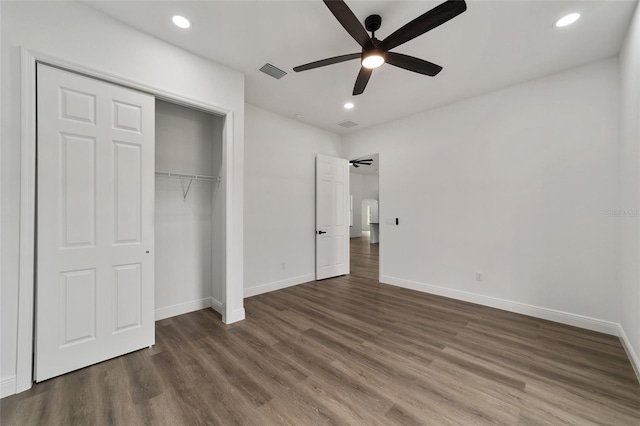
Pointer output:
x,y
95,202
332,217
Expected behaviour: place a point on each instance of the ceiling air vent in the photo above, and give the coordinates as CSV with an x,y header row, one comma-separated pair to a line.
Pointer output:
x,y
347,124
273,71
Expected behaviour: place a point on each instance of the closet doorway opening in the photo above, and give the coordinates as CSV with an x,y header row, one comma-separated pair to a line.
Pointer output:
x,y
189,210
364,216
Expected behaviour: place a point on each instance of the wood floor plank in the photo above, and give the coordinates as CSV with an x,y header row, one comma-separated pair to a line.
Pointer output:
x,y
546,397
300,406
349,350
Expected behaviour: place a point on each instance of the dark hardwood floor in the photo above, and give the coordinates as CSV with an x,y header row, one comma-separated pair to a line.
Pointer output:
x,y
349,351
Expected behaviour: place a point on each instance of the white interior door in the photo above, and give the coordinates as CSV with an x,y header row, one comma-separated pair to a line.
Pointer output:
x,y
332,217
94,222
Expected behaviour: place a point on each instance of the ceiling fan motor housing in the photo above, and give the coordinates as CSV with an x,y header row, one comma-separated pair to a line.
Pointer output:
x,y
372,24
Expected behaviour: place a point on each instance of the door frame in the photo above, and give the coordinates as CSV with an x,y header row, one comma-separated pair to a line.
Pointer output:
x,y
27,232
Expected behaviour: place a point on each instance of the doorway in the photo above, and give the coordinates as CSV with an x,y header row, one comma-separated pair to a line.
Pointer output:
x,y
364,215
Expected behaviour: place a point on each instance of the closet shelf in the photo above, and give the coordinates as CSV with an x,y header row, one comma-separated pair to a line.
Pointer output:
x,y
189,176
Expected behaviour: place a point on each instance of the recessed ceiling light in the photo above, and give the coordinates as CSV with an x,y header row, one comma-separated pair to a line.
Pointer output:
x,y
181,21
348,105
567,20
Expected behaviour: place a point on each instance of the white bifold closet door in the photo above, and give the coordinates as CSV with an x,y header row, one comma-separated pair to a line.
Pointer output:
x,y
94,222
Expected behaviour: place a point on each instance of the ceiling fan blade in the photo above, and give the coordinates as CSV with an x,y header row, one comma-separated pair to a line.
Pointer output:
x,y
355,165
423,23
412,64
328,61
345,16
362,80
368,159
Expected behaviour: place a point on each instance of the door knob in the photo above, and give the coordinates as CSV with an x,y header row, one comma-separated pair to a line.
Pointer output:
x,y
321,232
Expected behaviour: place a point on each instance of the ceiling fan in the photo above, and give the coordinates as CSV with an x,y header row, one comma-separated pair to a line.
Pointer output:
x,y
358,163
375,52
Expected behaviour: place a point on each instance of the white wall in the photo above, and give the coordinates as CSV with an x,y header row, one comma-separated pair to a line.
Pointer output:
x,y
370,187
355,184
185,142
370,191
77,34
513,184
629,265
280,199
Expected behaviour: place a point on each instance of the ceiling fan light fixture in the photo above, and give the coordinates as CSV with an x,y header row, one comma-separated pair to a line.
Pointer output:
x,y
374,58
567,20
181,21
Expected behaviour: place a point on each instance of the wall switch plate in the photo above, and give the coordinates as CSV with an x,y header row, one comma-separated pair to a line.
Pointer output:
x,y
478,276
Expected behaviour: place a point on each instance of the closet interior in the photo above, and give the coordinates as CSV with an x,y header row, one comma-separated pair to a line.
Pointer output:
x,y
189,210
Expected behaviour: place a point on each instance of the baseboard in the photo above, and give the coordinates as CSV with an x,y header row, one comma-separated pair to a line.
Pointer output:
x,y
8,386
633,356
216,305
182,308
278,285
562,317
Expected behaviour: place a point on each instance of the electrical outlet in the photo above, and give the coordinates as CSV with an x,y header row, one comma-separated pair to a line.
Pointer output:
x,y
478,276
284,265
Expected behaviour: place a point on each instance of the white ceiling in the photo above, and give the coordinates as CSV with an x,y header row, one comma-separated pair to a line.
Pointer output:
x,y
494,44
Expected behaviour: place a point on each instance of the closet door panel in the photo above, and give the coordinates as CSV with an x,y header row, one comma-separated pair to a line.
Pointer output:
x,y
95,236
127,209
77,190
